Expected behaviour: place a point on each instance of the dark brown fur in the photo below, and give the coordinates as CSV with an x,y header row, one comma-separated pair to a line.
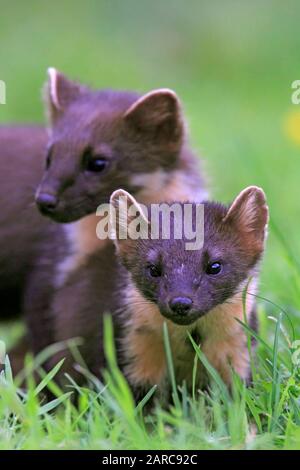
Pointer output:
x,y
144,143
21,226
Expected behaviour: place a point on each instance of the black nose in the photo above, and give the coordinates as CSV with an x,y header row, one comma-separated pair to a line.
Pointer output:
x,y
180,305
46,202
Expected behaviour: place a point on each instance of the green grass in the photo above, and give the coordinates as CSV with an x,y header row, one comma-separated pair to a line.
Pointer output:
x,y
232,63
263,416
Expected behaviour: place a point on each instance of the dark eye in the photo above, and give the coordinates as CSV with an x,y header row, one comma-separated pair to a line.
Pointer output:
x,y
155,271
48,160
94,163
213,268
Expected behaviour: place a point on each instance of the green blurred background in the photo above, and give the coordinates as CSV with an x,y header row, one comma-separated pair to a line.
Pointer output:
x,y
231,62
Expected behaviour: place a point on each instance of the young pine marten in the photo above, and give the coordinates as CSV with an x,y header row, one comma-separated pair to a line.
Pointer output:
x,y
198,291
159,280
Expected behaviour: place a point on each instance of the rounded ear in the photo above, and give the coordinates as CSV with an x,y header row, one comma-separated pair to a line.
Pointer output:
x,y
59,93
128,220
249,213
157,115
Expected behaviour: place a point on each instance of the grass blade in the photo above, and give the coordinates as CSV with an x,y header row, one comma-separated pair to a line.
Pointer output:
x,y
170,365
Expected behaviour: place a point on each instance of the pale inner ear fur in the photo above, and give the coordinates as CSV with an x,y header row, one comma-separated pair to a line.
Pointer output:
x,y
249,211
53,107
150,96
124,210
59,93
155,109
52,87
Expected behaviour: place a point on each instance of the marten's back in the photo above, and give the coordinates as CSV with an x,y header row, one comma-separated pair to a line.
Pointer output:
x,y
21,225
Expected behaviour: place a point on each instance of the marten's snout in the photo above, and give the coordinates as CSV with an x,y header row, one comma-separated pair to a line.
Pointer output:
x,y
46,202
180,305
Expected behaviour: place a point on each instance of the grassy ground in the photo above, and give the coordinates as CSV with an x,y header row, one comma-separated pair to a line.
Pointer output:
x,y
232,64
264,416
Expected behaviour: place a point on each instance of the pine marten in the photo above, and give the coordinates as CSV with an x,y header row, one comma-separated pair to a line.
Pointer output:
x,y
199,291
155,280
98,141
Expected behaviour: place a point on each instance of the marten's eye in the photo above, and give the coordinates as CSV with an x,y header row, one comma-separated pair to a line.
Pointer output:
x,y
94,163
155,271
213,268
48,159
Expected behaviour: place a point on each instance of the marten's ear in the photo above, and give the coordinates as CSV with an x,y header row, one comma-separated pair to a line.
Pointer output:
x,y
249,214
128,220
157,115
59,92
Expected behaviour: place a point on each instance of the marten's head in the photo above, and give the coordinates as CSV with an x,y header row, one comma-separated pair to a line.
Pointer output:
x,y
186,284
102,140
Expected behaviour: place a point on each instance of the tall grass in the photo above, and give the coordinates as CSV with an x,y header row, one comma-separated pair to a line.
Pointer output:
x,y
264,415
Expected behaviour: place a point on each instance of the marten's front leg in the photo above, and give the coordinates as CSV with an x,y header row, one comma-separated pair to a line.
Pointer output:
x,y
78,308
225,340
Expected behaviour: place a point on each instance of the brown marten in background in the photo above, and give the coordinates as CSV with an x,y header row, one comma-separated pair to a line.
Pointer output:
x,y
98,141
155,280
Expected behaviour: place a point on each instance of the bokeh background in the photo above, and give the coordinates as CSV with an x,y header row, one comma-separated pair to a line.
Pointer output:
x,y
232,64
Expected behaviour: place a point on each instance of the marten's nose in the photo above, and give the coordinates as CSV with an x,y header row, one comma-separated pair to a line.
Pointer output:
x,y
180,305
46,202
